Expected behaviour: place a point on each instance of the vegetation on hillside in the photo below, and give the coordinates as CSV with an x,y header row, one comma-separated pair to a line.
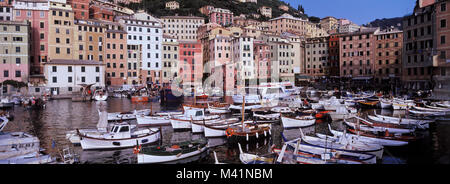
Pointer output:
x,y
191,7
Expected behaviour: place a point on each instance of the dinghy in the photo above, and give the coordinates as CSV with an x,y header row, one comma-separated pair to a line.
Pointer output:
x,y
422,124
152,120
100,95
216,109
368,139
247,158
343,156
182,152
218,129
375,129
192,115
374,149
124,116
297,121
342,112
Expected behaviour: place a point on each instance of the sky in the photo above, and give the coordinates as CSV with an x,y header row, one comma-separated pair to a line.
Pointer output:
x,y
358,11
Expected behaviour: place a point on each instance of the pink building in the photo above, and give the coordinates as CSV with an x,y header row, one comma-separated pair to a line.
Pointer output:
x,y
35,11
191,63
220,16
262,59
220,63
14,55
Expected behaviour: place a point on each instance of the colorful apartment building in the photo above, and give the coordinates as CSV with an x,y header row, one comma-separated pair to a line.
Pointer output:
x,y
262,60
288,23
116,54
191,63
184,28
99,12
442,61
357,55
37,13
419,48
14,52
80,8
61,31
333,54
89,40
146,31
170,61
388,56
317,57
242,57
221,16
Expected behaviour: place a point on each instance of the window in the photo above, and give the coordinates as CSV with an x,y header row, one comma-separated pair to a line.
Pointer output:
x,y
53,68
443,6
97,69
5,73
83,79
83,69
69,79
443,39
97,79
17,60
443,23
54,80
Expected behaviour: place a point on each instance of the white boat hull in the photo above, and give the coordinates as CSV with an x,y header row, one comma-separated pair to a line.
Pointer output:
x,y
370,140
151,120
154,159
100,97
295,123
385,105
88,143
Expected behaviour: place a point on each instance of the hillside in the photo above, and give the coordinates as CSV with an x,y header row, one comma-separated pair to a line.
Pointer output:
x,y
386,22
191,7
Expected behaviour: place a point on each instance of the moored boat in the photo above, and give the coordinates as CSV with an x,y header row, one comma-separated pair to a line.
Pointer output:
x,y
375,127
368,104
247,158
297,121
192,115
182,152
152,120
121,135
100,95
422,124
369,139
341,156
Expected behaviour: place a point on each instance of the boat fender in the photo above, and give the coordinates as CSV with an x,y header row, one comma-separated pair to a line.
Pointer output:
x,y
257,135
179,154
246,135
265,133
229,132
136,149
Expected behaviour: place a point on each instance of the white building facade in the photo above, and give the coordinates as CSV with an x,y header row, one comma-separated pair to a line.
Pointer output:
x,y
65,76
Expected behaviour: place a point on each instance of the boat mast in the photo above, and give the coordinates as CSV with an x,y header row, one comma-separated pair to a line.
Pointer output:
x,y
243,111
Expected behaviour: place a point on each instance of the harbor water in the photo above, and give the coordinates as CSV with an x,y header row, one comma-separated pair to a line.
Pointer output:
x,y
51,124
